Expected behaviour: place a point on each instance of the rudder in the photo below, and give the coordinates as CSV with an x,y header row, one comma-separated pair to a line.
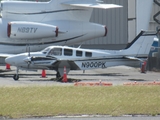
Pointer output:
x,y
141,45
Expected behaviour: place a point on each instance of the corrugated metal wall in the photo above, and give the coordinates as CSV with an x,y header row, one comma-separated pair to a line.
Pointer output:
x,y
116,21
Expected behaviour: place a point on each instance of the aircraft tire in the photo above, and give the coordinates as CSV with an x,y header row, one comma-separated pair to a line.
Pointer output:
x,y
16,77
58,75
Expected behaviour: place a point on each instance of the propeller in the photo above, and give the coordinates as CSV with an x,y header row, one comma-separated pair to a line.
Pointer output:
x,y
29,51
28,59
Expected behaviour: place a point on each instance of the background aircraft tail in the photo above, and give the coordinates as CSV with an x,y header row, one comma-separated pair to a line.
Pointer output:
x,y
141,45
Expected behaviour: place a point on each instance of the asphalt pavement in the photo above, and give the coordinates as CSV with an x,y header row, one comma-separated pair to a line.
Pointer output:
x,y
115,75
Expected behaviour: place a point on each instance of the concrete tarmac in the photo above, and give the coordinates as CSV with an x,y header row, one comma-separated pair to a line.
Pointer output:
x,y
116,75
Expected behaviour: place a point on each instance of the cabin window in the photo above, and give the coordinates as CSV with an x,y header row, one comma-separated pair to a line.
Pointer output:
x,y
68,52
56,52
88,54
79,53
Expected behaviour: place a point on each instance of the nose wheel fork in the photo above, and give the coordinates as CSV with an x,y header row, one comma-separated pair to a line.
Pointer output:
x,y
16,76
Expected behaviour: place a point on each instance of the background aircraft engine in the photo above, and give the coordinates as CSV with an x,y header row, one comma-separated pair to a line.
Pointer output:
x,y
31,30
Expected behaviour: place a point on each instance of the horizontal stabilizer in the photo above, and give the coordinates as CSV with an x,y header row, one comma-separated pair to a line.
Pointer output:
x,y
90,4
133,58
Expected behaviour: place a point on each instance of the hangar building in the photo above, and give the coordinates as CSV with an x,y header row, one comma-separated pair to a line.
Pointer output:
x,y
123,23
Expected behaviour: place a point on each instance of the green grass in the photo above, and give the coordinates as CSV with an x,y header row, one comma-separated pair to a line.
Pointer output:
x,y
16,102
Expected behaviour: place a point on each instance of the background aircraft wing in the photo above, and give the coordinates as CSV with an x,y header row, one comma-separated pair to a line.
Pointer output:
x,y
91,4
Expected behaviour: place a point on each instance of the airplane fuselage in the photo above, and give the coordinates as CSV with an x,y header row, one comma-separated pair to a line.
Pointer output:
x,y
84,59
70,32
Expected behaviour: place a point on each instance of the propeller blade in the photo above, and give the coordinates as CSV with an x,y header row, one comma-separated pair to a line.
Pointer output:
x,y
28,64
28,61
29,50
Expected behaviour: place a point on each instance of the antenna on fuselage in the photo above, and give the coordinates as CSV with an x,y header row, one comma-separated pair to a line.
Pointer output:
x,y
80,45
28,50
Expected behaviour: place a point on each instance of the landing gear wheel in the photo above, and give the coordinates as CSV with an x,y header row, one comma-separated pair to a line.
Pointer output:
x,y
16,77
58,75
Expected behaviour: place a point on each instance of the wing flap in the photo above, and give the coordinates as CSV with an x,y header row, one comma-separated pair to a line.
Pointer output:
x,y
90,4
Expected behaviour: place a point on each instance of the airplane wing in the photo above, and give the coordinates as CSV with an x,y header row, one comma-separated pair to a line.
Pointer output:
x,y
91,4
72,63
62,63
53,63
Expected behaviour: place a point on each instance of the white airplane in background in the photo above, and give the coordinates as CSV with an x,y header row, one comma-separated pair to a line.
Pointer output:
x,y
56,57
41,24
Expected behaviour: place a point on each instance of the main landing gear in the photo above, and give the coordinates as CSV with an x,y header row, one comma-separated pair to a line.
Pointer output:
x,y
16,76
58,75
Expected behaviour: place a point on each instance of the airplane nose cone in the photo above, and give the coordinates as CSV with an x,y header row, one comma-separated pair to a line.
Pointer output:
x,y
8,60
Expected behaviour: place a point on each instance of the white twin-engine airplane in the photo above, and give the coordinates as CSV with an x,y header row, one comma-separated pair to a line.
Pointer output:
x,y
56,57
41,24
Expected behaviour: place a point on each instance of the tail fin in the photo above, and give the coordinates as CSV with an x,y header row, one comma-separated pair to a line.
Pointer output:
x,y
141,45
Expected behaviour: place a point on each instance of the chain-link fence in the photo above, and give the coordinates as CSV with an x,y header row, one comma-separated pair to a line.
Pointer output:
x,y
28,0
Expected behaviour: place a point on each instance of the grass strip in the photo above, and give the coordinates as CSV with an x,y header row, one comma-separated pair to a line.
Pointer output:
x,y
17,102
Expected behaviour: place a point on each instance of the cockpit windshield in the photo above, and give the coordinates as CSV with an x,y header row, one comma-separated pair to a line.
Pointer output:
x,y
55,52
44,51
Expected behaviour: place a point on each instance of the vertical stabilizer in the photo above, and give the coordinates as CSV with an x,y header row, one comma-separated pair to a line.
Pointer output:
x,y
141,45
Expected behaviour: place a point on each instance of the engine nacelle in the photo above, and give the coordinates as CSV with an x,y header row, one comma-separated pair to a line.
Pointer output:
x,y
31,30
